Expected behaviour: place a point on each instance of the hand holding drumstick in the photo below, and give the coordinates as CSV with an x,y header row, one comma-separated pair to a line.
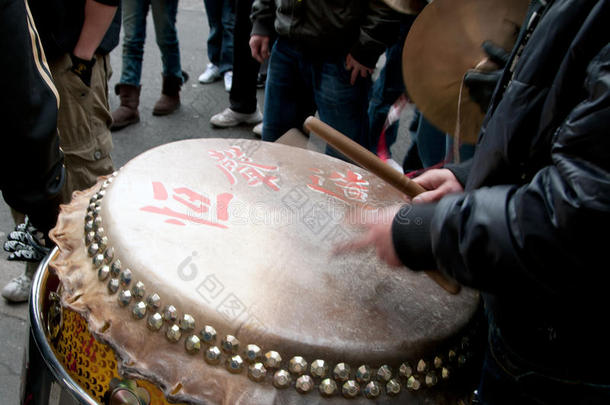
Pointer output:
x,y
379,224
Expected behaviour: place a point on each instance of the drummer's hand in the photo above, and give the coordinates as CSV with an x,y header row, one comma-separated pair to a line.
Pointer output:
x,y
357,68
259,46
378,234
438,182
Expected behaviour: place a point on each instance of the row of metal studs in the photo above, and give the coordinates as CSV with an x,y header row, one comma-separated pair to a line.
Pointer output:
x,y
364,380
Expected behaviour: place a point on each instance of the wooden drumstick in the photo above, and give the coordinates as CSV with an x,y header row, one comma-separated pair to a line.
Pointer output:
x,y
371,162
363,157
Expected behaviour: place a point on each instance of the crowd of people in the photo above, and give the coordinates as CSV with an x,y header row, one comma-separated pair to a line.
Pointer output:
x,y
514,219
77,42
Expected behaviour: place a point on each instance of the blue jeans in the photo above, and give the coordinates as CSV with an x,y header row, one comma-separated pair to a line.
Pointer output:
x,y
428,141
221,19
134,31
433,145
298,85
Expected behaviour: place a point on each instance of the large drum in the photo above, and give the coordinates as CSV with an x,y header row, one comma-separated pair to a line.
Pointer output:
x,y
203,272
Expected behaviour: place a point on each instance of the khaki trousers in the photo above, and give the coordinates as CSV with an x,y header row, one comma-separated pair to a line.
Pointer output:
x,y
83,123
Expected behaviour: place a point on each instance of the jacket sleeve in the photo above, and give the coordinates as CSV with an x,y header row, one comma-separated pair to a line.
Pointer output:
x,y
545,233
460,170
379,29
263,18
32,162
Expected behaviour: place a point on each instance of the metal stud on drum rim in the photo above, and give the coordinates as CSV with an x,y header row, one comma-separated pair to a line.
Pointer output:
x,y
257,372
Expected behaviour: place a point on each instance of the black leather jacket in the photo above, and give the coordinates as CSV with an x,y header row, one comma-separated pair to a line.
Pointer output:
x,y
333,27
529,229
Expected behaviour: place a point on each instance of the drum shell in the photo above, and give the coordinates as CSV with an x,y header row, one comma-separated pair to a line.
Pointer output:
x,y
83,366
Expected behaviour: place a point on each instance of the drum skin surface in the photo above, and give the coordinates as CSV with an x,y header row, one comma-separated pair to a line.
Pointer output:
x,y
238,235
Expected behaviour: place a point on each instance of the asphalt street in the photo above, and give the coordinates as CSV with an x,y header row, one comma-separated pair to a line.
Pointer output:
x,y
199,103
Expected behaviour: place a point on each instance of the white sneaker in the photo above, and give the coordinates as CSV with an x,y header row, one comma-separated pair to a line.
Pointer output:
x,y
18,289
210,75
230,118
258,130
228,80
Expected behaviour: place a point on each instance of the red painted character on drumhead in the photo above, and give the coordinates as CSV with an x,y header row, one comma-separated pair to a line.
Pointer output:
x,y
352,185
194,207
234,161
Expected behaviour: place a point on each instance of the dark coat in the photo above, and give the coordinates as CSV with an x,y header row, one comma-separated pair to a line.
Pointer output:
x,y
32,163
529,229
330,27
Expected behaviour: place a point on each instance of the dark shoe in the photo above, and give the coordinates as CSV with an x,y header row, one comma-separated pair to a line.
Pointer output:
x,y
127,113
166,105
260,80
170,96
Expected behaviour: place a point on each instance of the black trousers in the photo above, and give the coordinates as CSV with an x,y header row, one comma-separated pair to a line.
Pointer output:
x,y
245,68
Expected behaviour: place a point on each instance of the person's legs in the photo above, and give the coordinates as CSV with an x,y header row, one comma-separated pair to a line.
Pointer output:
x,y
411,161
288,101
213,9
134,37
227,18
262,74
388,87
245,67
83,122
243,107
128,89
164,16
383,95
340,104
430,143
18,289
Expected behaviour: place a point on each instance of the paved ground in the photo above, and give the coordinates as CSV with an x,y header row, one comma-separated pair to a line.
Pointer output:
x,y
199,103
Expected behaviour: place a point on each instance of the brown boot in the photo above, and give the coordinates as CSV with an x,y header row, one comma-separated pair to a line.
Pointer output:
x,y
170,95
127,113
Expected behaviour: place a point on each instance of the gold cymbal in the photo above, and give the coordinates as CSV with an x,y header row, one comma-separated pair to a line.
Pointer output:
x,y
445,42
407,6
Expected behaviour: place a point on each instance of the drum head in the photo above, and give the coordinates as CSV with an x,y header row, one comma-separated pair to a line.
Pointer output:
x,y
238,236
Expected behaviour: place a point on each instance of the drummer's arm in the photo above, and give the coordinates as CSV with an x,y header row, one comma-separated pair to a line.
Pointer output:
x,y
410,229
401,234
537,234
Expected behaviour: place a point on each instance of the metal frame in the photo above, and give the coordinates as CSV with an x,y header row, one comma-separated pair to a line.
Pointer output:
x,y
37,378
